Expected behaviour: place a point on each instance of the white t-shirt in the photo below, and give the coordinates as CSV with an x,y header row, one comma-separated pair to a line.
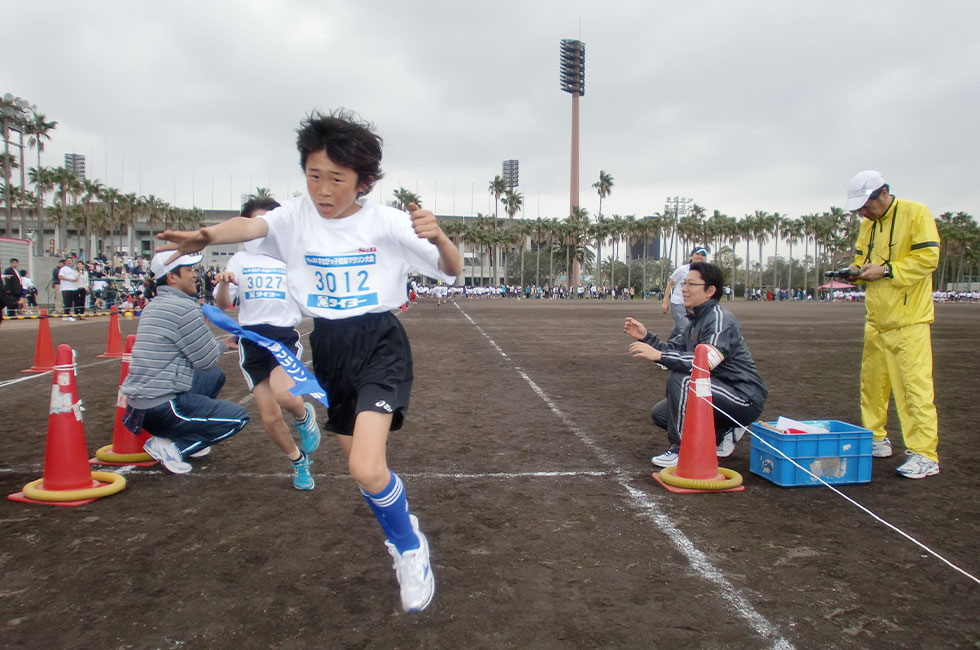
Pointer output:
x,y
678,276
68,277
262,291
341,268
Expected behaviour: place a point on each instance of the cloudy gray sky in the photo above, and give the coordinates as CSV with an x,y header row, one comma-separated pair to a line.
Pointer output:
x,y
741,104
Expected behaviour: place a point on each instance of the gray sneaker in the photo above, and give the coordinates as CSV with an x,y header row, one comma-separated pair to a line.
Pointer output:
x,y
166,453
881,448
918,466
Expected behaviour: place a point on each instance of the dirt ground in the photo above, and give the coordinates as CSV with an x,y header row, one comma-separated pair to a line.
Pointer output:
x,y
526,456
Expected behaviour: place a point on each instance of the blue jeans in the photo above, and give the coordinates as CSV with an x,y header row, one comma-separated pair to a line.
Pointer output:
x,y
679,313
195,419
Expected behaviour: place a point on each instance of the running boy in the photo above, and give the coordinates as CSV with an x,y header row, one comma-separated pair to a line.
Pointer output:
x,y
347,261
266,307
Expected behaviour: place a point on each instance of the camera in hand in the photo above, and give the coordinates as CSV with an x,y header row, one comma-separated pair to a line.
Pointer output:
x,y
842,273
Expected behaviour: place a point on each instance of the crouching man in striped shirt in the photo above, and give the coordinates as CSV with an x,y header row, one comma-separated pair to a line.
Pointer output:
x,y
174,378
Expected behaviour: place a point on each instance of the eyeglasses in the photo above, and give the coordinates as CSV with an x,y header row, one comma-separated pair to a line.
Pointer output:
x,y
685,283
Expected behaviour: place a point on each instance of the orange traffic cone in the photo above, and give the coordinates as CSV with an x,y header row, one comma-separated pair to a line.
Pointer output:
x,y
67,480
113,344
126,449
43,348
697,463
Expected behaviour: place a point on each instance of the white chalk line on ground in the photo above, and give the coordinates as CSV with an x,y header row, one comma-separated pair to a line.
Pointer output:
x,y
737,602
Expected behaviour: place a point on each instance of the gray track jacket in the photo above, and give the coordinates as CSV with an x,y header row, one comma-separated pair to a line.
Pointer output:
x,y
716,326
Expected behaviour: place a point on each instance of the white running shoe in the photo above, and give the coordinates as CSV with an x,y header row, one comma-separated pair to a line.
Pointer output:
x,y
727,444
166,453
414,572
918,466
881,448
666,459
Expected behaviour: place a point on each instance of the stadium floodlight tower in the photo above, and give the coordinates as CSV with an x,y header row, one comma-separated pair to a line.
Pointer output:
x,y
573,82
511,173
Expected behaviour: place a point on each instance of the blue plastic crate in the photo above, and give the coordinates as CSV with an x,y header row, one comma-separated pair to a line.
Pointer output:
x,y
841,456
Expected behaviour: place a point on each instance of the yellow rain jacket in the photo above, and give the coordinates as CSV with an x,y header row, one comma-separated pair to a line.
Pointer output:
x,y
897,357
906,240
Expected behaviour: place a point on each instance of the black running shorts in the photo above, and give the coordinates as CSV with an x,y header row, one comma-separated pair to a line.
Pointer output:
x,y
256,362
365,364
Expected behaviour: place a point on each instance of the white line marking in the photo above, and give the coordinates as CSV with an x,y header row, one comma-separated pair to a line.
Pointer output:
x,y
642,501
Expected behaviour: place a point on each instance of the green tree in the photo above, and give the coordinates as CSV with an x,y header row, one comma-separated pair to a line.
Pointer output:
x,y
497,188
604,187
404,197
38,129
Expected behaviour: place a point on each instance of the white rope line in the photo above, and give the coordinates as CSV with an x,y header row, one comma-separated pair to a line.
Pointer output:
x,y
699,563
846,498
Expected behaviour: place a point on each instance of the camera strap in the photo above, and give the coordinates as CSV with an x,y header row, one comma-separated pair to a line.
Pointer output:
x,y
891,237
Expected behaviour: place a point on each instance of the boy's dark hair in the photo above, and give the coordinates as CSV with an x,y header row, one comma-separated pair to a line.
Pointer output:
x,y
347,140
266,203
712,275
14,259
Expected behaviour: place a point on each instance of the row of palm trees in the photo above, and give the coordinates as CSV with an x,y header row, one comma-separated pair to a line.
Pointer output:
x,y
96,210
826,241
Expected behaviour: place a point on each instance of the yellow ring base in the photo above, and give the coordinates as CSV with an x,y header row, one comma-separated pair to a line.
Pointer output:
x,y
732,479
106,454
116,482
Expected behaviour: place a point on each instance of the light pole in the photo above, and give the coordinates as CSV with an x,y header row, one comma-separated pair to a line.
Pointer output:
x,y
572,78
680,206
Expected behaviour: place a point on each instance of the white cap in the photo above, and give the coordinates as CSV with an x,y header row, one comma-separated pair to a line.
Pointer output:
x,y
862,186
160,267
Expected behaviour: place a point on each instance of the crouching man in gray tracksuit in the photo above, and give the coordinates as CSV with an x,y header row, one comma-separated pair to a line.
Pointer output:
x,y
173,378
736,387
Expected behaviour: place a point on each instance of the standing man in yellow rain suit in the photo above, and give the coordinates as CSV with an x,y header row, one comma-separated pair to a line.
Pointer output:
x,y
896,252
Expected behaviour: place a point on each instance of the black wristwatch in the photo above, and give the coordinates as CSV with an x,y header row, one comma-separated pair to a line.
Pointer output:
x,y
888,271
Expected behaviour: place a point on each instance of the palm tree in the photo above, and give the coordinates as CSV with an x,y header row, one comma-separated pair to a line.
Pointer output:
x,y
539,229
130,206
776,223
746,230
110,197
91,189
629,235
760,231
811,226
38,129
260,194
67,185
597,234
403,197
513,201
497,187
616,231
604,187
793,234
519,234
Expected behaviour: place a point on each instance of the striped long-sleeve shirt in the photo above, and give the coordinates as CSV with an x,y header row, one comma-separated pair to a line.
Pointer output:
x,y
171,342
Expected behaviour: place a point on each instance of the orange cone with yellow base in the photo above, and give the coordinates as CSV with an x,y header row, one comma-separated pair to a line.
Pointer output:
x,y
43,348
126,449
697,462
113,343
67,481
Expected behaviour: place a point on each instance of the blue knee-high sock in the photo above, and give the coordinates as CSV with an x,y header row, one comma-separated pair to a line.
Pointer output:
x,y
390,506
